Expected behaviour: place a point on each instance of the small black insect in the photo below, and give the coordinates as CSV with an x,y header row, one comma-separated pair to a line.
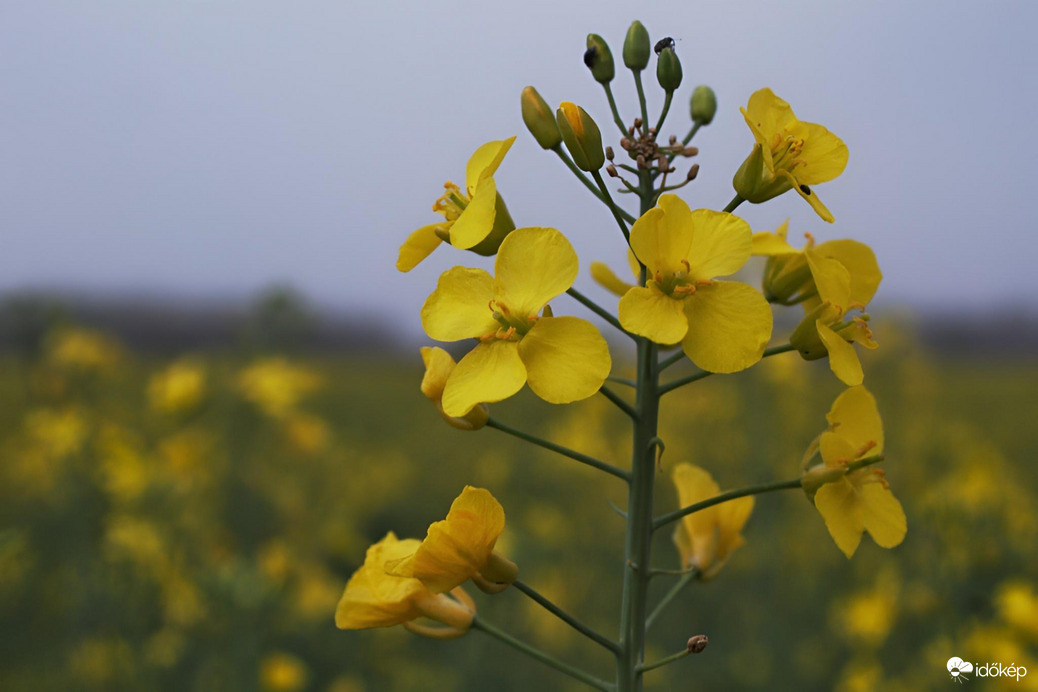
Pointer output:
x,y
805,189
589,56
667,42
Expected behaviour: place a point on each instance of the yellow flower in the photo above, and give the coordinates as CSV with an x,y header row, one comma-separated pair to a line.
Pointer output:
x,y
374,598
178,388
474,219
461,547
83,349
723,326
607,278
438,368
564,359
283,672
706,539
859,501
840,271
276,386
789,154
827,330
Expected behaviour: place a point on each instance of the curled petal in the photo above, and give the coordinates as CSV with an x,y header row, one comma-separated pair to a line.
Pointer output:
x,y
419,245
477,220
608,279
843,360
485,160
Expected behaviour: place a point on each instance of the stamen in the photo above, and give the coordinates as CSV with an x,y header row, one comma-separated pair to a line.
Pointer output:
x,y
688,267
865,448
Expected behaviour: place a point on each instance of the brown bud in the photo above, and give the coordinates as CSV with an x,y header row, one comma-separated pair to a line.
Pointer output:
x,y
697,643
609,153
692,172
611,170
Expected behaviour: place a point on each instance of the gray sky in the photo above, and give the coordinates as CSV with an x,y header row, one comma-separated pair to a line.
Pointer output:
x,y
200,148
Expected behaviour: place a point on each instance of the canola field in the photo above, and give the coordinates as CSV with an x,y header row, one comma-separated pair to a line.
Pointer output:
x,y
189,523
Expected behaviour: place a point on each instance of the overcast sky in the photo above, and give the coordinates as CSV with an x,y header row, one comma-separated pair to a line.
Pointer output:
x,y
198,148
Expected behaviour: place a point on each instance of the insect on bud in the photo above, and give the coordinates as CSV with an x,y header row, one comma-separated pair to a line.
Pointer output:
x,y
538,118
697,643
668,69
636,47
703,105
599,59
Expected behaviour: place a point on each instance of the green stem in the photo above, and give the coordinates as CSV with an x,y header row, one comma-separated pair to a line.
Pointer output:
x,y
587,181
558,449
682,381
663,114
670,360
620,403
533,652
597,309
736,201
641,102
678,587
623,380
566,617
664,661
612,206
612,106
751,490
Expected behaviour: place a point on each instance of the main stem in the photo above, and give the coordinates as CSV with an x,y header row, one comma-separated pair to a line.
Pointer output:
x,y
638,539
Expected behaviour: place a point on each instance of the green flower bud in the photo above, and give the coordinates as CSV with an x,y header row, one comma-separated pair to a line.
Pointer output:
x,y
751,182
599,59
636,47
581,135
539,119
668,69
703,105
503,225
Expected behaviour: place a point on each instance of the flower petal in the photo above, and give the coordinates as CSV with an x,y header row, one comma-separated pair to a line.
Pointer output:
x,y
768,244
566,359
860,261
651,313
485,160
823,157
438,367
608,279
372,597
477,220
808,194
721,245
698,531
729,324
884,517
768,116
458,547
492,371
855,417
662,237
533,266
419,245
841,507
459,307
843,360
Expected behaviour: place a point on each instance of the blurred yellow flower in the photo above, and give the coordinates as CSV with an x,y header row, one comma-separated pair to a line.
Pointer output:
x,y
866,617
57,433
859,501
461,547
438,368
177,388
283,672
82,349
564,359
276,386
706,539
475,219
1017,603
375,598
307,433
789,154
723,326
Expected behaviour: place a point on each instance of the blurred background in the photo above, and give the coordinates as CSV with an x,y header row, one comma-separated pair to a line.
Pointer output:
x,y
209,401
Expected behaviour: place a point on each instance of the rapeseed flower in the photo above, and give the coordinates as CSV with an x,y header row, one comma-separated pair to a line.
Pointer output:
x,y
723,326
375,598
858,501
473,219
789,154
438,367
178,388
461,547
564,359
705,539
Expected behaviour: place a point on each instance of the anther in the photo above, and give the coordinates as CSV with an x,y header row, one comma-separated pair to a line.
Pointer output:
x,y
688,267
865,448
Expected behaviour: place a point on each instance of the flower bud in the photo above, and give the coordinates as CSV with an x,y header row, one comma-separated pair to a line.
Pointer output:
x,y
668,69
539,120
703,105
599,59
581,135
788,279
636,47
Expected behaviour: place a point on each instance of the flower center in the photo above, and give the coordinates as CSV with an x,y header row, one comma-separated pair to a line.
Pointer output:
x,y
452,202
513,326
785,151
678,284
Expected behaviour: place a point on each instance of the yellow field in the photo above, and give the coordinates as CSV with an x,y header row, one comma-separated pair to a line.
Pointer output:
x,y
190,525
